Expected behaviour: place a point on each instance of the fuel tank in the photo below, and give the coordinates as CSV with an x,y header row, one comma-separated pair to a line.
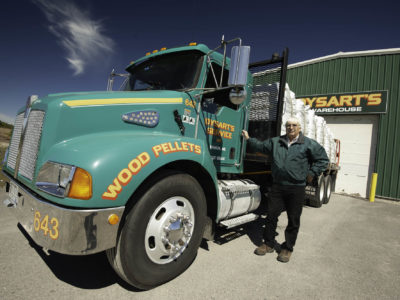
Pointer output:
x,y
237,197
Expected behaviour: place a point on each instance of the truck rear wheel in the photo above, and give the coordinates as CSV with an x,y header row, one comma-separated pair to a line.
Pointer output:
x,y
162,232
316,199
328,188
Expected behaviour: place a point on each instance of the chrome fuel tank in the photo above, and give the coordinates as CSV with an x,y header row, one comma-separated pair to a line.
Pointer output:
x,y
237,197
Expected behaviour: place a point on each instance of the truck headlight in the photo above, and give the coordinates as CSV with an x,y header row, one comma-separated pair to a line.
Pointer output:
x,y
63,180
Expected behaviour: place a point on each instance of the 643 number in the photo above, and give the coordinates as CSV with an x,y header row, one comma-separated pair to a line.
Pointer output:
x,y
47,225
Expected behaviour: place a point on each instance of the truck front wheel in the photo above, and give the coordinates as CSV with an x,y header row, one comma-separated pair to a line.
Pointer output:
x,y
162,232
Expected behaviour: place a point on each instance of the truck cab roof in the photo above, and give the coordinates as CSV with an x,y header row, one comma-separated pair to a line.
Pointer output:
x,y
199,47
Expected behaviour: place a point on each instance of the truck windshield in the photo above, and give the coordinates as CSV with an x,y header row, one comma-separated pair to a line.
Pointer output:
x,y
173,71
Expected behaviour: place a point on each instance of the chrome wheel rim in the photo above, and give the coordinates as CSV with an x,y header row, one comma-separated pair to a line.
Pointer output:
x,y
328,190
322,192
169,230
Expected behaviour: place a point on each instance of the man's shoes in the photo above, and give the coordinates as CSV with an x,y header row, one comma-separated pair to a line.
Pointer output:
x,y
263,249
284,255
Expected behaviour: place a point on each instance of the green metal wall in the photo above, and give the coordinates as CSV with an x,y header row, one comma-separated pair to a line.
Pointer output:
x,y
357,74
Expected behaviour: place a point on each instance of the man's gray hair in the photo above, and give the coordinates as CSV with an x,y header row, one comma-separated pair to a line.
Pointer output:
x,y
293,120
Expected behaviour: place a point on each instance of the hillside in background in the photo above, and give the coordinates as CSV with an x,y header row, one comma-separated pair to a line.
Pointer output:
x,y
5,136
5,125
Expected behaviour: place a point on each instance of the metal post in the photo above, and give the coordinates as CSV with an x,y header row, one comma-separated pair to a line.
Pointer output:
x,y
373,187
282,90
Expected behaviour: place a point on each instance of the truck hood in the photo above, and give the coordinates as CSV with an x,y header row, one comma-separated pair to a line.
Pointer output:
x,y
75,115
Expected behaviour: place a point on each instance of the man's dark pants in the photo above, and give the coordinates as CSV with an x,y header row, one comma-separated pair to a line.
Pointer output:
x,y
291,199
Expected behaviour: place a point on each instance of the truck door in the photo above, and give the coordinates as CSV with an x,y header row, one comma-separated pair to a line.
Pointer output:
x,y
223,123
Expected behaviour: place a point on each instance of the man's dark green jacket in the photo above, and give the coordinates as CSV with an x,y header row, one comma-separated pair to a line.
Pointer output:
x,y
291,165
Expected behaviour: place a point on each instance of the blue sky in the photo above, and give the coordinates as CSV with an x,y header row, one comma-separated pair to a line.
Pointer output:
x,y
60,46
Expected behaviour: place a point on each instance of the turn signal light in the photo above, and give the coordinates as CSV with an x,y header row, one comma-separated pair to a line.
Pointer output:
x,y
113,219
81,185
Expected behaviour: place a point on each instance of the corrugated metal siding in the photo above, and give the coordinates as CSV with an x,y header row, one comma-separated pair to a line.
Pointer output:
x,y
362,73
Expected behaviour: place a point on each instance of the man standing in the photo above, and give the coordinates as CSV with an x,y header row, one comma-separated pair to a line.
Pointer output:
x,y
296,160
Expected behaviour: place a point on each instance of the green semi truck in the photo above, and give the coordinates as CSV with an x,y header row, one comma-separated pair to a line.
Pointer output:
x,y
144,173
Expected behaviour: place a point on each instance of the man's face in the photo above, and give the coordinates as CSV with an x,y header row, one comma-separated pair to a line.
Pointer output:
x,y
292,130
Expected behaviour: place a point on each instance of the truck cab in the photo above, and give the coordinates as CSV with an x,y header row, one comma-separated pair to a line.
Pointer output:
x,y
143,172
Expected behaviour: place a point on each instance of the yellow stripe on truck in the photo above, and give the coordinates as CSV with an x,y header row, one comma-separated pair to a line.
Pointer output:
x,y
116,101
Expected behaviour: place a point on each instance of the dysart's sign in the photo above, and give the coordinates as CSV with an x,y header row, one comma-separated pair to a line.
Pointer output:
x,y
348,103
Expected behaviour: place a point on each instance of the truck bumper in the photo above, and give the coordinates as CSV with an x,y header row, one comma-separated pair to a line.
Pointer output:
x,y
63,230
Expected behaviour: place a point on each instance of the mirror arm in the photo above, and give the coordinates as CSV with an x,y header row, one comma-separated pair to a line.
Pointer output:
x,y
223,61
212,71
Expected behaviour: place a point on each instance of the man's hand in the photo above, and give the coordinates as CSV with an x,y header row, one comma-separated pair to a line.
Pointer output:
x,y
310,178
245,134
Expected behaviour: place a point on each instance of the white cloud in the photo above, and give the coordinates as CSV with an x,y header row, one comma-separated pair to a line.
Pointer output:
x,y
81,37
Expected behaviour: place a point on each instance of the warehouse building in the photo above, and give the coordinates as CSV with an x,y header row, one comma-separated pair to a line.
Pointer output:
x,y
358,95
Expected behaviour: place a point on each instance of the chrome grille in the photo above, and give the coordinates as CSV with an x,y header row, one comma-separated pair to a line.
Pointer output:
x,y
14,144
30,144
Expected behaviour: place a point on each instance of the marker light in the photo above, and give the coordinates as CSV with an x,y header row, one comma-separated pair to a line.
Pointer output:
x,y
148,118
193,44
113,219
163,48
155,51
148,53
81,185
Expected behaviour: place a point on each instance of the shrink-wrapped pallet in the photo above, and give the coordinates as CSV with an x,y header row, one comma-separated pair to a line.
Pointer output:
x,y
309,127
299,111
327,142
288,106
333,151
319,129
312,126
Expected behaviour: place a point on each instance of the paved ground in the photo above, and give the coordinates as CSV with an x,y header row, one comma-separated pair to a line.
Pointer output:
x,y
348,249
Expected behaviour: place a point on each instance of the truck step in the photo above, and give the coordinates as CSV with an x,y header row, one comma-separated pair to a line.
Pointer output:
x,y
239,220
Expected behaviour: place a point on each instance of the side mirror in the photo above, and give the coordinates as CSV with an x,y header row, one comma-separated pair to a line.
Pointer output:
x,y
237,96
238,73
239,66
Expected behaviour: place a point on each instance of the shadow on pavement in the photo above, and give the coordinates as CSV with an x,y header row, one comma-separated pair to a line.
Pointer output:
x,y
86,272
94,272
254,230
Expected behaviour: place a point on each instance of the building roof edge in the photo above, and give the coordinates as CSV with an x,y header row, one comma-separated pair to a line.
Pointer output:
x,y
345,54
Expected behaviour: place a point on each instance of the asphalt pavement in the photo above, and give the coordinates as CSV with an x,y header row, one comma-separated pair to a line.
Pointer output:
x,y
348,249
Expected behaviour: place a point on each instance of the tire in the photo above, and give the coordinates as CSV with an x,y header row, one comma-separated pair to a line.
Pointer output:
x,y
328,188
162,232
115,261
318,196
333,177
